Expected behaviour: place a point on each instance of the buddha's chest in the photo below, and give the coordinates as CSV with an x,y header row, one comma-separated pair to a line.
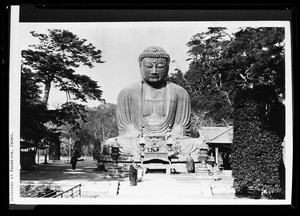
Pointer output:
x,y
154,105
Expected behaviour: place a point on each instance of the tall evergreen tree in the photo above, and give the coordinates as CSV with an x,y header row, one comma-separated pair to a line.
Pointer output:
x,y
222,64
32,109
54,60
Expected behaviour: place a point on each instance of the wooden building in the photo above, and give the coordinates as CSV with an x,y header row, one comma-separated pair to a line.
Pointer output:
x,y
219,139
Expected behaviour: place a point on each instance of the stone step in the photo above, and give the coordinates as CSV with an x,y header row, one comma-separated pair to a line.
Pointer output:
x,y
113,188
166,190
179,188
185,185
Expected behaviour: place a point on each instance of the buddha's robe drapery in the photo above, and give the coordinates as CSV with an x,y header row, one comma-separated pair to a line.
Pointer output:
x,y
130,117
176,112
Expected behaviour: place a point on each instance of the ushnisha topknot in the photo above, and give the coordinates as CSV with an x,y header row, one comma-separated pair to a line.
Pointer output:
x,y
154,52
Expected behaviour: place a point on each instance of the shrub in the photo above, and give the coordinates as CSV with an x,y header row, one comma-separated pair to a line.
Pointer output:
x,y
256,149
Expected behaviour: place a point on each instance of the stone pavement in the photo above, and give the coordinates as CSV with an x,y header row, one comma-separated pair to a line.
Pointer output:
x,y
155,187
179,186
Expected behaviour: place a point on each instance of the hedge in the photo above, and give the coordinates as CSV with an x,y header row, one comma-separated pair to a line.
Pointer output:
x,y
257,147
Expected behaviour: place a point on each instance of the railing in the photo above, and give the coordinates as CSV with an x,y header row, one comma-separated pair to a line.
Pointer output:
x,y
72,192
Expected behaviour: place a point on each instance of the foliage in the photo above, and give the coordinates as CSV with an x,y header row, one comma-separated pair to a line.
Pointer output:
x,y
99,124
103,120
36,190
54,146
70,114
240,79
260,51
223,64
54,61
32,109
209,80
256,148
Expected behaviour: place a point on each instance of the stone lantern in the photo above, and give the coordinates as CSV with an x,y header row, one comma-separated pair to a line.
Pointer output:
x,y
169,146
142,143
169,139
203,156
210,162
142,140
170,143
115,151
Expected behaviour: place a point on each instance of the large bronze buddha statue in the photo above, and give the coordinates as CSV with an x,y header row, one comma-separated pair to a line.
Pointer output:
x,y
153,108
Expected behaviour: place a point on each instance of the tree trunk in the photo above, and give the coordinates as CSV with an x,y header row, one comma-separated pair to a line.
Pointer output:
x,y
46,92
45,157
103,135
45,101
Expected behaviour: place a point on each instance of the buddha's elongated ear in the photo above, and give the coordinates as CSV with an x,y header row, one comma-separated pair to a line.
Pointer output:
x,y
141,72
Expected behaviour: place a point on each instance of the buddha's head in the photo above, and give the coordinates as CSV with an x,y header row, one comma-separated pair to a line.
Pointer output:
x,y
154,65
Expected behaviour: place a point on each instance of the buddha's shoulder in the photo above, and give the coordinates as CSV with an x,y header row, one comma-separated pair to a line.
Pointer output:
x,y
176,87
137,86
131,88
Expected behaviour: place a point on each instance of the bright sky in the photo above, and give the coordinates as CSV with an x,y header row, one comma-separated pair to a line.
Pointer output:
x,y
121,44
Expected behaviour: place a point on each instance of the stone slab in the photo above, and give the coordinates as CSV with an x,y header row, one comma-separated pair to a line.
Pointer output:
x,y
113,188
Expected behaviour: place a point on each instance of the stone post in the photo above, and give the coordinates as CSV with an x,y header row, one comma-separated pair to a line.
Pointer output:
x,y
217,155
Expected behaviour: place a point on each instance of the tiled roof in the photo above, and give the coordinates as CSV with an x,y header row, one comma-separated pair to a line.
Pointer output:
x,y
217,134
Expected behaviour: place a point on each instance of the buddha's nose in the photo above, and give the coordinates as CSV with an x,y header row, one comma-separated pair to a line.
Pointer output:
x,y
154,70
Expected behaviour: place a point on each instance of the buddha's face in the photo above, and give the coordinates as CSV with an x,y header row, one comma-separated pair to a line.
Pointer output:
x,y
154,70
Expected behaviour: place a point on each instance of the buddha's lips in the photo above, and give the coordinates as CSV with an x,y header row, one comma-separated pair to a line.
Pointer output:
x,y
154,76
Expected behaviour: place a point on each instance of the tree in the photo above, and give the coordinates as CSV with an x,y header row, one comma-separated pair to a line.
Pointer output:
x,y
68,119
55,59
239,79
209,83
33,119
32,109
99,124
223,64
260,54
106,122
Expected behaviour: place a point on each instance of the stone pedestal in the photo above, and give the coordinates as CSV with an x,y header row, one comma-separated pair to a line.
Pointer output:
x,y
202,169
113,169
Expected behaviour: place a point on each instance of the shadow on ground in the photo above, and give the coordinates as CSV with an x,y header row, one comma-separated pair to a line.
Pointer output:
x,y
60,170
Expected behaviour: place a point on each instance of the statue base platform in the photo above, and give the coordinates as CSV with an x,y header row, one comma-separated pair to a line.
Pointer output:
x,y
138,158
130,147
159,166
157,161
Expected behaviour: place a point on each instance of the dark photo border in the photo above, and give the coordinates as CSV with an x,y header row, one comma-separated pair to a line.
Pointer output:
x,y
51,11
